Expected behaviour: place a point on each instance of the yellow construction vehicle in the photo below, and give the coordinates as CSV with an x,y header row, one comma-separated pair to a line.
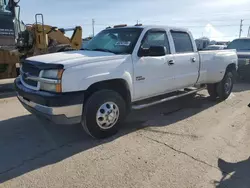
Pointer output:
x,y
30,40
40,39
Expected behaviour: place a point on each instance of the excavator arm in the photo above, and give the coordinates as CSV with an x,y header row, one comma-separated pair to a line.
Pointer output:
x,y
76,38
75,41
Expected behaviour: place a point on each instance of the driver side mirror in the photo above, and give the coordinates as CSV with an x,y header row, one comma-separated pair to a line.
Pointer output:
x,y
153,51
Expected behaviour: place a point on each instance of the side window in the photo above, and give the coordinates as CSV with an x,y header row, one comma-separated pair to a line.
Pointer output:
x,y
156,38
182,42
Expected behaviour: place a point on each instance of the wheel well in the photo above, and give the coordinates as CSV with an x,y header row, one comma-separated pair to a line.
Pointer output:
x,y
231,67
118,85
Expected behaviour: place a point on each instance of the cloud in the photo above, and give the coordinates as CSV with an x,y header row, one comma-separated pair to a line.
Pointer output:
x,y
212,33
225,3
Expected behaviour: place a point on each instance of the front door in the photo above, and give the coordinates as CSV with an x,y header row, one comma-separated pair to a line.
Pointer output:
x,y
152,74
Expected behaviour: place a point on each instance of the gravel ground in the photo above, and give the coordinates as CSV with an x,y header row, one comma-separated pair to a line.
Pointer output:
x,y
186,143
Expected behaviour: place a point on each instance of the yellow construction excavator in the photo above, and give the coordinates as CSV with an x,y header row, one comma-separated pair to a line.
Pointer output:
x,y
40,39
30,40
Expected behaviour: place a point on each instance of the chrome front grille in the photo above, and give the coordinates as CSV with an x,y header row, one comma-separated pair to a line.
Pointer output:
x,y
31,82
28,69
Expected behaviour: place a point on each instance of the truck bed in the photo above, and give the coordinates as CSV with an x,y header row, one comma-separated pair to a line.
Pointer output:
x,y
213,64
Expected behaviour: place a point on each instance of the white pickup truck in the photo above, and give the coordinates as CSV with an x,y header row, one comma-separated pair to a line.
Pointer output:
x,y
121,68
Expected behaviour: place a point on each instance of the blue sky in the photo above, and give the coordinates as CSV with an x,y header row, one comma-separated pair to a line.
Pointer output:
x,y
219,19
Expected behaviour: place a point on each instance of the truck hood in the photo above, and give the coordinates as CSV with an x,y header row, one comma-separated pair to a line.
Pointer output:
x,y
74,58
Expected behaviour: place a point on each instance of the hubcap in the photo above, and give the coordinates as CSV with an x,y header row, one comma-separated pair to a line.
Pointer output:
x,y
228,85
107,115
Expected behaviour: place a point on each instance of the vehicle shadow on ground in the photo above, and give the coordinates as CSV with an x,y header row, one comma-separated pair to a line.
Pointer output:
x,y
27,144
241,86
235,175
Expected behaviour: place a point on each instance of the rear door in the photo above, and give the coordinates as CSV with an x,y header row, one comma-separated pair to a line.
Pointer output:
x,y
186,60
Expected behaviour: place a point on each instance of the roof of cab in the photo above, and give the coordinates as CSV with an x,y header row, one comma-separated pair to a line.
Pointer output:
x,y
152,27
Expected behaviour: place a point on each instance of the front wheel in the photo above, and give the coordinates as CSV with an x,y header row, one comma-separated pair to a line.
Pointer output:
x,y
103,114
225,87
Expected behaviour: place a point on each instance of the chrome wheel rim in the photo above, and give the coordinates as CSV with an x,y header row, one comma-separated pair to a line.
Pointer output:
x,y
228,85
107,115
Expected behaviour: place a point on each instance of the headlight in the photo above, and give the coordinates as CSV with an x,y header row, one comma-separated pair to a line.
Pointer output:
x,y
52,75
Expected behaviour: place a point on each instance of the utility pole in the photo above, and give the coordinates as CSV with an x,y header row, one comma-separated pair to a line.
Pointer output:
x,y
93,27
248,34
241,24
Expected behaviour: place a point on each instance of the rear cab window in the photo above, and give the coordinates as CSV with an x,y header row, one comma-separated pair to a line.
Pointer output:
x,y
182,42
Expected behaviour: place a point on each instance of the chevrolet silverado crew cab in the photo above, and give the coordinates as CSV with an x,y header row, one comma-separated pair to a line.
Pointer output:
x,y
120,69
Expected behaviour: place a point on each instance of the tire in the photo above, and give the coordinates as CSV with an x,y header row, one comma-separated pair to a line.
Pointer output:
x,y
225,87
212,91
103,114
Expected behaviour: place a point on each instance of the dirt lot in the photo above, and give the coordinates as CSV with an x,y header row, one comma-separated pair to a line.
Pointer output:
x,y
189,142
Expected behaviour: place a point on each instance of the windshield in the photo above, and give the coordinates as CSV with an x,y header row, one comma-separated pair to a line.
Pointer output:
x,y
240,45
4,6
118,41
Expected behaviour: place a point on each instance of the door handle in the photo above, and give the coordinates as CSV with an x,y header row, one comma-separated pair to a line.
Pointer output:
x,y
193,59
170,62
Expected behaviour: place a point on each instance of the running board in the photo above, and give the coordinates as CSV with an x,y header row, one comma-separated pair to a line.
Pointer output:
x,y
189,91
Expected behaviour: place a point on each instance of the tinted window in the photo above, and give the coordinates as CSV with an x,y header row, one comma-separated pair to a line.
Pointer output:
x,y
182,42
5,6
156,38
240,45
6,25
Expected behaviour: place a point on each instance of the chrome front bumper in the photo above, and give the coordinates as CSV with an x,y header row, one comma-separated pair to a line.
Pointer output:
x,y
60,115
60,108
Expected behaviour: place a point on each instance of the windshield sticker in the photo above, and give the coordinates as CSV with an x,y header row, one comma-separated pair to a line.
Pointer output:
x,y
123,43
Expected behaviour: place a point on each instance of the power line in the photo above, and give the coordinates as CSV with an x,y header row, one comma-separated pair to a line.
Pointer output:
x,y
211,25
198,25
95,24
232,25
152,22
